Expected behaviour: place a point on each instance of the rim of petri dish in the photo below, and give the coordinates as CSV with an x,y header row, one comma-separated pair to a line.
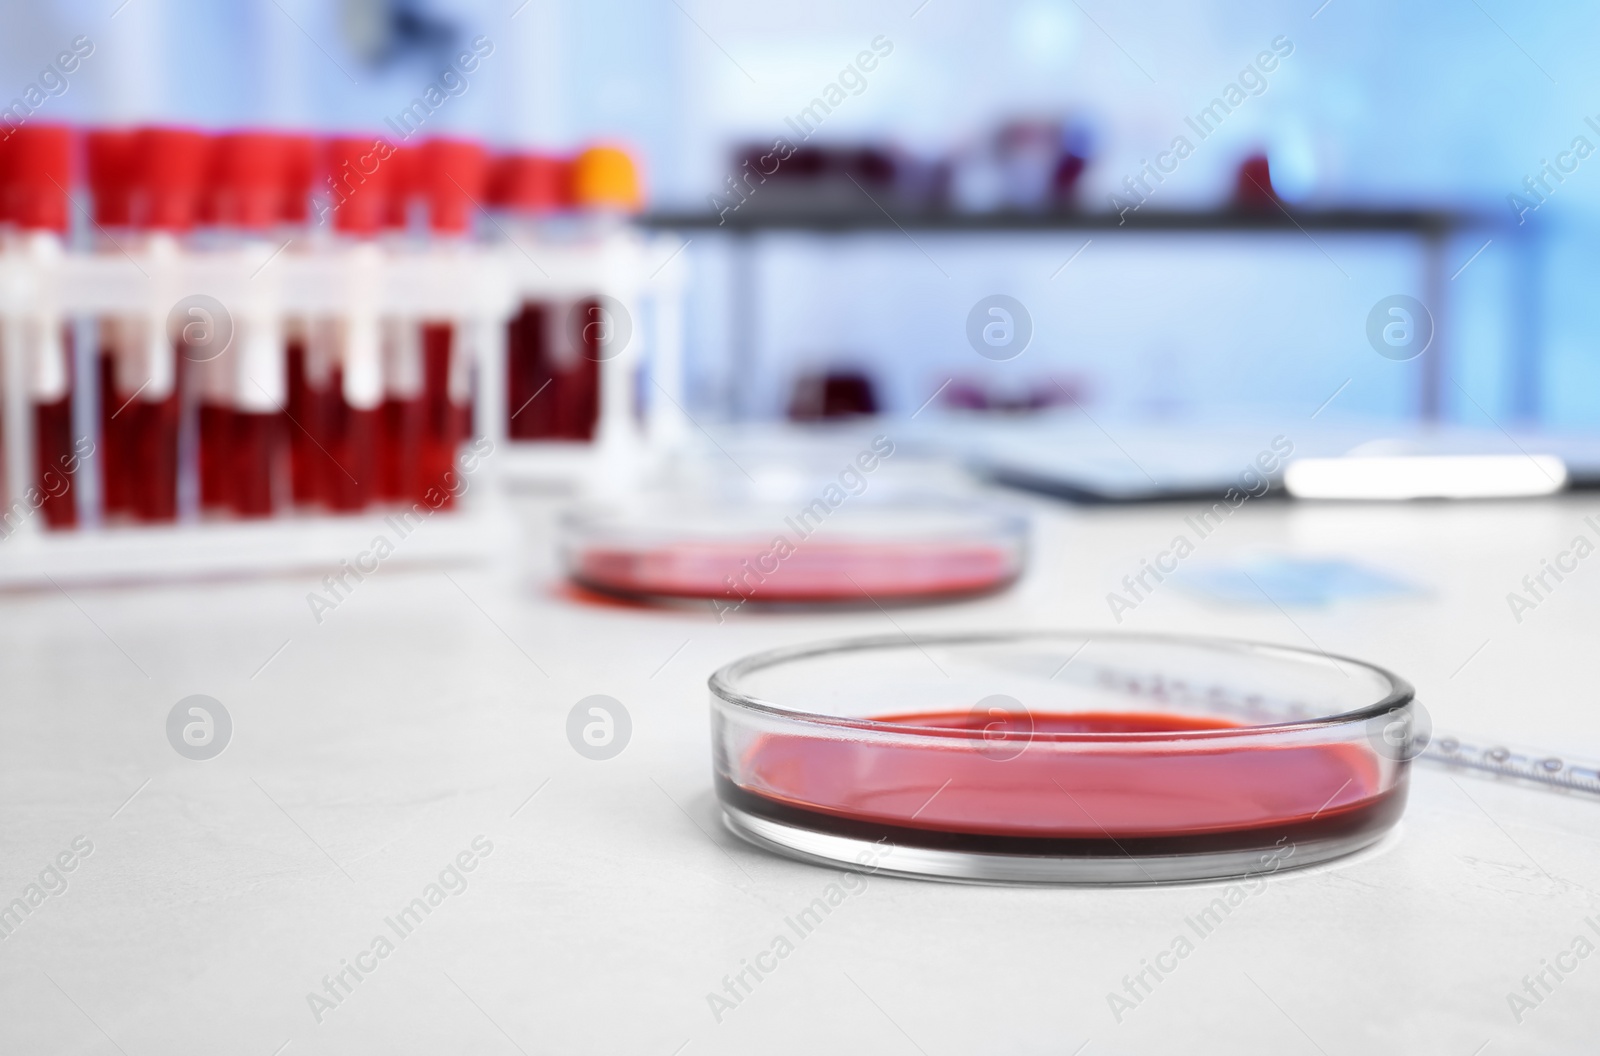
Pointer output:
x,y
797,838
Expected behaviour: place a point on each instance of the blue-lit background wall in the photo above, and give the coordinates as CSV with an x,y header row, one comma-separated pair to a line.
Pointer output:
x,y
1437,104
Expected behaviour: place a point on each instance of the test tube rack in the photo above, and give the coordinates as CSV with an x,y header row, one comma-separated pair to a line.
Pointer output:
x,y
475,285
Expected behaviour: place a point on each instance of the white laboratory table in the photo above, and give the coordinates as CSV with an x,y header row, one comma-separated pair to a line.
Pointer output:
x,y
413,724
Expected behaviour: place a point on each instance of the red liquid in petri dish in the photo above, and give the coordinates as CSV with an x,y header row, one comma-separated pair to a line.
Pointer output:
x,y
1128,798
817,570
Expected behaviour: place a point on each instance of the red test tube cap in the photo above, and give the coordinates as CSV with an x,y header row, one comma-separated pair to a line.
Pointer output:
x,y
171,166
454,176
358,182
402,166
249,179
110,156
532,183
299,169
39,164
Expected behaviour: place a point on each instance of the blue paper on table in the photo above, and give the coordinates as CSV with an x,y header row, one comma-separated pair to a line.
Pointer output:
x,y
1292,581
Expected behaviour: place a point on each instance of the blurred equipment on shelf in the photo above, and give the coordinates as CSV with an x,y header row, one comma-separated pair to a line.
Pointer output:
x,y
1253,188
833,394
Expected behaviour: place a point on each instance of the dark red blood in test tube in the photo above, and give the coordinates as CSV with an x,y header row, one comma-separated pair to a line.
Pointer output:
x,y
39,170
52,455
453,175
256,451
216,433
530,408
578,395
110,155
352,439
170,167
360,183
443,419
155,456
400,461
308,405
252,175
116,439
401,417
531,186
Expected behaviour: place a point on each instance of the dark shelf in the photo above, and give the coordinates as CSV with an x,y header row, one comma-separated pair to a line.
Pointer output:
x,y
752,219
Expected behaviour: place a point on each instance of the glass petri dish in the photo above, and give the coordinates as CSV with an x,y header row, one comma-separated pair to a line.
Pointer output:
x,y
1060,757
771,554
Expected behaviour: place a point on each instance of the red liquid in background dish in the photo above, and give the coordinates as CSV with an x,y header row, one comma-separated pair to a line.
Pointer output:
x,y
1128,798
816,571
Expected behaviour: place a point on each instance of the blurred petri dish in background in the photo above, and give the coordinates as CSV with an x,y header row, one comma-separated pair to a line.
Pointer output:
x,y
1059,757
772,554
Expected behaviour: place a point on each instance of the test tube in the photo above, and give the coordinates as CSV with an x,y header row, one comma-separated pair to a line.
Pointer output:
x,y
605,187
532,189
250,186
110,162
170,167
308,358
454,174
40,172
402,415
358,178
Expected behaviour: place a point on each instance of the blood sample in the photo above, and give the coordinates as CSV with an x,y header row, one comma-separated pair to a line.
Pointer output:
x,y
250,186
40,171
400,459
308,360
1059,756
578,355
110,157
454,175
770,555
606,186
359,180
1140,798
531,189
170,165
213,374
849,571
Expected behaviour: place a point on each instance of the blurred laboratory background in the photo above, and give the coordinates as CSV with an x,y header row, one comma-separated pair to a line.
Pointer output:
x,y
1029,105
284,257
